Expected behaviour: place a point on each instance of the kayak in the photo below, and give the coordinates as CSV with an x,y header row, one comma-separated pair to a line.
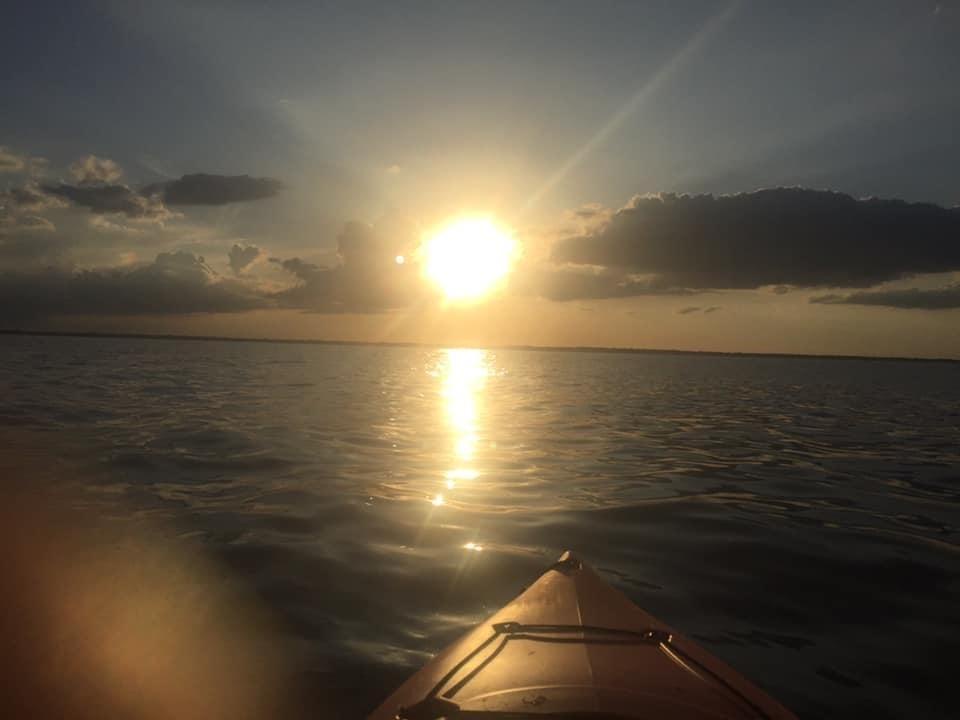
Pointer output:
x,y
571,646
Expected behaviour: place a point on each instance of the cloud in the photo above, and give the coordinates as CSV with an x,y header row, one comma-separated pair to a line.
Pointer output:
x,y
11,223
368,279
205,189
946,298
302,270
587,283
174,283
591,211
92,169
243,257
18,208
103,224
36,268
392,170
29,197
10,161
13,162
781,237
102,199
30,223
712,309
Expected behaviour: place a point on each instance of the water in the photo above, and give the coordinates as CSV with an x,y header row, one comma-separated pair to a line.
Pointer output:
x,y
797,516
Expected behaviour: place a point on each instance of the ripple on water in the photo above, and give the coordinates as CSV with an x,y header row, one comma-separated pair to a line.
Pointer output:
x,y
799,517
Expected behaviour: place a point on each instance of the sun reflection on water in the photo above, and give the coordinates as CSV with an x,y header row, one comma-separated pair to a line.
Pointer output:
x,y
463,374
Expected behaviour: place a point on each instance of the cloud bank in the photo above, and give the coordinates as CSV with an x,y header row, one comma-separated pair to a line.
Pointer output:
x,y
657,245
946,298
787,237
173,284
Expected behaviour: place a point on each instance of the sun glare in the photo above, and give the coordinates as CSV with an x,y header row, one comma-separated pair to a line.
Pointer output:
x,y
468,258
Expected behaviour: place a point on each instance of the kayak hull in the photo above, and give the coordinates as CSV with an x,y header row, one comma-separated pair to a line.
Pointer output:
x,y
571,643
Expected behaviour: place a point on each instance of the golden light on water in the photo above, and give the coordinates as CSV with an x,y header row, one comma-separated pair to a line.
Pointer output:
x,y
468,258
462,474
464,447
463,375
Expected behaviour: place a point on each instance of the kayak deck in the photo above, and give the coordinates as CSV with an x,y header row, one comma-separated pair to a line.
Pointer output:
x,y
573,646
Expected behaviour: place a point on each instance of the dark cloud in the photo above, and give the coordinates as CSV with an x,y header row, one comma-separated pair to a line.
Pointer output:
x,y
91,170
946,298
368,279
205,189
174,283
300,269
783,237
102,199
712,309
243,257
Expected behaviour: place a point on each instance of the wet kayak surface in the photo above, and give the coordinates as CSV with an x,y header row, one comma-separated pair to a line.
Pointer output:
x,y
572,644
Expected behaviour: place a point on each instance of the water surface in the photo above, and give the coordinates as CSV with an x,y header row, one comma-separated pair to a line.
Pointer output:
x,y
797,516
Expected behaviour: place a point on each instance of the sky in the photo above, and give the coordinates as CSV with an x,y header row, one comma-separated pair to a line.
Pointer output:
x,y
742,176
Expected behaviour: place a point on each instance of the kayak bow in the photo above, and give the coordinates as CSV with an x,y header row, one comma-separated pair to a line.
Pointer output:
x,y
571,646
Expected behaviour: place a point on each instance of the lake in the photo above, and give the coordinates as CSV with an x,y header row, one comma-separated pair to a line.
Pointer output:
x,y
796,516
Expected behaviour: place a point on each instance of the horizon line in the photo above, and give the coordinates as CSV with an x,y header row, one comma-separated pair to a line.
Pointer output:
x,y
532,348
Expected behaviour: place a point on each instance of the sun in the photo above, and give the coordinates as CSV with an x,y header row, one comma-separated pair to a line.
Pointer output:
x,y
468,258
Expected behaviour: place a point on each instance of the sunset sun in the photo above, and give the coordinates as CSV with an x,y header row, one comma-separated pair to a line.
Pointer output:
x,y
468,258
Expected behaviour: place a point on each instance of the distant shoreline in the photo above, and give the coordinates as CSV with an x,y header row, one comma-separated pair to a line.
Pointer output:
x,y
532,348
